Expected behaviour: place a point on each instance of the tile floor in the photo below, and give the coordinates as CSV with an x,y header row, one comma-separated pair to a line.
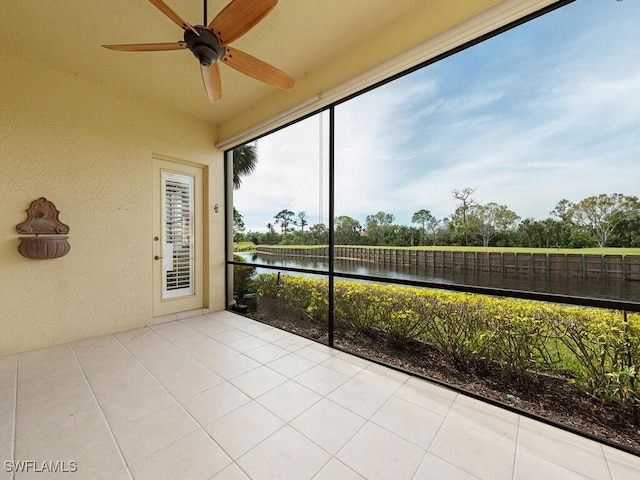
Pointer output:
x,y
222,397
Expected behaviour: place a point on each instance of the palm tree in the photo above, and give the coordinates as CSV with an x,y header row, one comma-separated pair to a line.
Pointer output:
x,y
244,162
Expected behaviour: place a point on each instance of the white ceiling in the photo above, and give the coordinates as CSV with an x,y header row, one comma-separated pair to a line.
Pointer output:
x,y
301,37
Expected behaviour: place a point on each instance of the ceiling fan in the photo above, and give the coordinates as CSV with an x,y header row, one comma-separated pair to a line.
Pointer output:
x,y
210,44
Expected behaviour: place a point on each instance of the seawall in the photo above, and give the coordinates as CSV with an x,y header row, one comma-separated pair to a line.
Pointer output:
x,y
570,265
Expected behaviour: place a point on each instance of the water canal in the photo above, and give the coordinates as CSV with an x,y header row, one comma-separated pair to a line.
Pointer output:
x,y
626,290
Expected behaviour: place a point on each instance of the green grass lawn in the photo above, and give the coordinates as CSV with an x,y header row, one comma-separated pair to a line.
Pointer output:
x,y
243,246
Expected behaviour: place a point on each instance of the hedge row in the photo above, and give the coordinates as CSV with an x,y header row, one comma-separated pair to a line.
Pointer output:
x,y
599,349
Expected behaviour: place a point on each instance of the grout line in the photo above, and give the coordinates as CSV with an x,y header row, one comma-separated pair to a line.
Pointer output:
x,y
515,450
606,459
104,417
255,400
179,403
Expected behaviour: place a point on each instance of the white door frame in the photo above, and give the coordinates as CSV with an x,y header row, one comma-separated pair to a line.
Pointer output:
x,y
177,289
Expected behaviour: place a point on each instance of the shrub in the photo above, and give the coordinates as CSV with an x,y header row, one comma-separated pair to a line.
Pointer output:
x,y
599,348
606,348
517,336
242,278
454,325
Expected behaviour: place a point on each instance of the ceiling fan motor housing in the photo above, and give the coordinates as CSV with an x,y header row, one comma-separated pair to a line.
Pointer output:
x,y
204,46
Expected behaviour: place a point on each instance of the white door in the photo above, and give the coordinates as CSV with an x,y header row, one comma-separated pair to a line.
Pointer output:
x,y
177,238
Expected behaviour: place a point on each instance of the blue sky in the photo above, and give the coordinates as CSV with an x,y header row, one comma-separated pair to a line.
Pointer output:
x,y
546,111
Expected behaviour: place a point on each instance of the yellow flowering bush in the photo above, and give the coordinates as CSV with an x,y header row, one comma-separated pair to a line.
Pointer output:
x,y
599,348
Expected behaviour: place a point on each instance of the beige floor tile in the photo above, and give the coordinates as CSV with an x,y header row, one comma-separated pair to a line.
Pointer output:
x,y
359,397
254,328
137,376
191,383
39,414
316,352
530,467
377,454
258,381
207,326
8,363
408,421
215,402
247,343
211,348
229,336
139,338
288,400
273,335
194,457
484,417
100,346
211,357
562,448
45,366
233,319
335,470
321,379
153,432
345,364
6,442
485,456
63,349
8,376
291,365
328,424
185,338
50,387
293,343
133,407
382,378
98,458
267,353
622,456
52,439
242,429
434,468
427,395
284,455
167,361
232,366
7,405
96,365
232,472
623,471
116,389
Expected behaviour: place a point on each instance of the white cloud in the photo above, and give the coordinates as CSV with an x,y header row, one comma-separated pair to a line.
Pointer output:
x,y
560,122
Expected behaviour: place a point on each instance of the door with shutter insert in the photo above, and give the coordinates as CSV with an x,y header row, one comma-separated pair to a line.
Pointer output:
x,y
177,238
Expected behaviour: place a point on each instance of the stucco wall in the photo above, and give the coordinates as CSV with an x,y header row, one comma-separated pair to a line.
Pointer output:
x,y
89,150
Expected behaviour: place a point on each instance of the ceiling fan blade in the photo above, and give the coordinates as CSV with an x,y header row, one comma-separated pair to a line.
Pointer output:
x,y
164,8
212,83
238,17
255,68
148,47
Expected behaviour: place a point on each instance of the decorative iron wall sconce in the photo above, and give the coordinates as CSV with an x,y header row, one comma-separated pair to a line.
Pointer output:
x,y
42,219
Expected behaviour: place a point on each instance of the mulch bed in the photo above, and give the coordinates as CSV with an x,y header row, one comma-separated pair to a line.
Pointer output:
x,y
544,395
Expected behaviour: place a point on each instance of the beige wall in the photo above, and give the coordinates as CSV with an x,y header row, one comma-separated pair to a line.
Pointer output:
x,y
89,150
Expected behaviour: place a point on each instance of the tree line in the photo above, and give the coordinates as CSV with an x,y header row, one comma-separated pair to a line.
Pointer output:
x,y
605,220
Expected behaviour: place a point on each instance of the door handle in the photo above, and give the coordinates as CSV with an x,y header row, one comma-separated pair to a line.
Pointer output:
x,y
157,257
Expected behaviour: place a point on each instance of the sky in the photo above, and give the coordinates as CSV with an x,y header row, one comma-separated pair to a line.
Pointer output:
x,y
547,111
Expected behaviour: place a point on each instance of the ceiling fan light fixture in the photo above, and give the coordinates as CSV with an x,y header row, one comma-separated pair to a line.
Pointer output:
x,y
204,45
210,44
